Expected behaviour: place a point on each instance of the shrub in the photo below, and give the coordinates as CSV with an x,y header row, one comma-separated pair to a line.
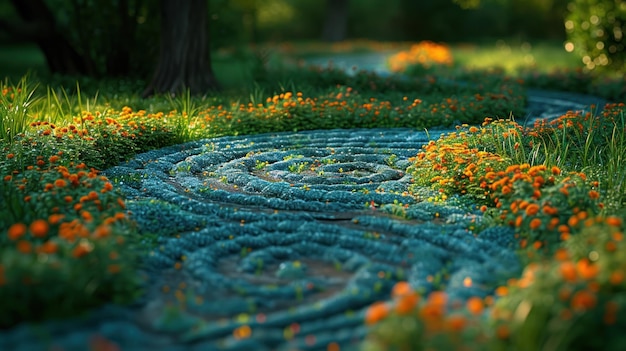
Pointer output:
x,y
595,30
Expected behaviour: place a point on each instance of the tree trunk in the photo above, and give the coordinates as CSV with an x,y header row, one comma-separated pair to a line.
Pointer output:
x,y
184,59
60,56
336,21
118,60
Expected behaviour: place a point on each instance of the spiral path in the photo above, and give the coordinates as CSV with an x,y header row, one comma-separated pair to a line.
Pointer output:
x,y
280,242
289,235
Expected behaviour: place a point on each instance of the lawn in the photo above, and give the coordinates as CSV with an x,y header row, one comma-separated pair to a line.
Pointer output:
x,y
561,186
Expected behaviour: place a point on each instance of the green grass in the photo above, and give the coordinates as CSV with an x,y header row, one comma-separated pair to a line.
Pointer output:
x,y
61,129
513,56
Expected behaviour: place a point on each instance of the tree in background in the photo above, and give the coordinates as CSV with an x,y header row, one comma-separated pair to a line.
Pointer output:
x,y
336,20
184,58
119,38
85,37
38,24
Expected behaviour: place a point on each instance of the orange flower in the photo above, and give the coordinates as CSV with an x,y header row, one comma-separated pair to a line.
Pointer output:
x,y
376,312
53,158
532,209
556,170
438,298
432,313
583,300
83,248
16,231
86,215
549,210
24,247
535,223
39,228
456,322
475,305
401,289
406,304
60,183
48,247
565,293
616,277
502,332
568,271
610,246
586,269
614,221
594,194
502,291
55,218
561,254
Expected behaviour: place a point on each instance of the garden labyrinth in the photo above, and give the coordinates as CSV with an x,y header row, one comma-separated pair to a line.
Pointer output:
x,y
281,241
287,236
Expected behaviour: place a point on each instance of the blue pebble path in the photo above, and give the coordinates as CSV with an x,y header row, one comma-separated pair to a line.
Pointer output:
x,y
290,234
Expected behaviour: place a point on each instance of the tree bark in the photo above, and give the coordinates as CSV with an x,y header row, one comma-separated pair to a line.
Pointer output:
x,y
184,59
60,56
336,20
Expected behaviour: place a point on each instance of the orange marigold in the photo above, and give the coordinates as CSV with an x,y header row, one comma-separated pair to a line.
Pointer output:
x,y
401,289
39,228
475,305
587,269
456,322
614,221
48,247
376,312
24,247
583,300
16,231
568,271
616,277
82,249
535,223
532,209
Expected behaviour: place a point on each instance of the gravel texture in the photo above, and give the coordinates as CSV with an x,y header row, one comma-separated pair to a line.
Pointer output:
x,y
291,234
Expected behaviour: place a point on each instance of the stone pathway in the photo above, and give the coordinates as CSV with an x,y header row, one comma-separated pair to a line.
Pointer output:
x,y
280,241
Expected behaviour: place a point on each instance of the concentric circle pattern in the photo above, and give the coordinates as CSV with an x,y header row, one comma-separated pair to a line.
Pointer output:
x,y
280,242
290,236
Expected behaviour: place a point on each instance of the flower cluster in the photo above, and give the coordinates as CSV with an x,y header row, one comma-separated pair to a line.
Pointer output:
x,y
425,54
408,322
575,300
571,294
63,239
